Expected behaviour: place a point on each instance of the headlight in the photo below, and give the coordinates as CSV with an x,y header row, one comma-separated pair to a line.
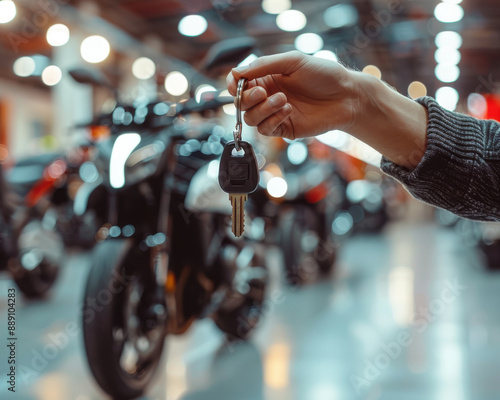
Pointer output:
x,y
123,147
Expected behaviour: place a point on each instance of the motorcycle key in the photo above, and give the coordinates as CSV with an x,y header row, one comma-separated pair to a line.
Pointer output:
x,y
238,176
238,173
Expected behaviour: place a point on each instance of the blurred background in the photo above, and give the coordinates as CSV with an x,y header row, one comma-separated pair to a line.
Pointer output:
x,y
115,235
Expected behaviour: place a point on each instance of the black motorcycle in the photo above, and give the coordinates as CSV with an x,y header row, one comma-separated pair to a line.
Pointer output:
x,y
167,256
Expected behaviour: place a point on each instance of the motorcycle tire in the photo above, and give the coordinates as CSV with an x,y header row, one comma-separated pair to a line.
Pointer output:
x,y
123,333
297,227
240,313
36,265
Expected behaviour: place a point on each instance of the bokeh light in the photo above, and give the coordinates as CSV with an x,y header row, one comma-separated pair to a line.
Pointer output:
x,y
277,187
449,56
417,89
176,83
309,43
447,73
51,75
24,66
95,49
8,11
340,15
192,25
276,6
448,12
373,71
143,68
327,55
58,35
447,97
291,21
449,39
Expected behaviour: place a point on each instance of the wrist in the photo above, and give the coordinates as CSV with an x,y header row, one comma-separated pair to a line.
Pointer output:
x,y
389,122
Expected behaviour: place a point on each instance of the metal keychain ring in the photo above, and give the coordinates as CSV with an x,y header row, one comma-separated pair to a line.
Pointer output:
x,y
239,122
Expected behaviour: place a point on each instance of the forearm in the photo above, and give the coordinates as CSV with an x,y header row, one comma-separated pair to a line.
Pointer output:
x,y
389,122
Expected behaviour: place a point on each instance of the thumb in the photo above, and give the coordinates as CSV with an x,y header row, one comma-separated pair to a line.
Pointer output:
x,y
282,64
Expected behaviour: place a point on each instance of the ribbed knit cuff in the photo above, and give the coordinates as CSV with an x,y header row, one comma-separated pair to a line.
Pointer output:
x,y
443,176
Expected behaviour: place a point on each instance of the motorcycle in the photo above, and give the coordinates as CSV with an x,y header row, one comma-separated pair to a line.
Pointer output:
x,y
167,256
297,201
30,245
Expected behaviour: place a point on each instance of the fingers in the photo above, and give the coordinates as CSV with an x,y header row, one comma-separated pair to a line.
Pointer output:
x,y
274,125
264,109
252,97
284,64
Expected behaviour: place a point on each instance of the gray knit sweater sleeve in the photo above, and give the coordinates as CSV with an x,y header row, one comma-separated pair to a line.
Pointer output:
x,y
460,170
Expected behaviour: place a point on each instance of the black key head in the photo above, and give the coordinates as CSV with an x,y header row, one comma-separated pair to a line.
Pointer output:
x,y
238,171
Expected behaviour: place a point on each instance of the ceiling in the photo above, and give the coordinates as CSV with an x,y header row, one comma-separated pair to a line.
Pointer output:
x,y
403,50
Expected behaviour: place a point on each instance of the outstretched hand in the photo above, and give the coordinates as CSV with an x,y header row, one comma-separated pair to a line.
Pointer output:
x,y
294,95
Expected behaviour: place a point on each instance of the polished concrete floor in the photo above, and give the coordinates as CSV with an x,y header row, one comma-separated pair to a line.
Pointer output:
x,y
410,314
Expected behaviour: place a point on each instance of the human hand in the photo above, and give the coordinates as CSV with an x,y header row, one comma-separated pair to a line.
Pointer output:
x,y
294,95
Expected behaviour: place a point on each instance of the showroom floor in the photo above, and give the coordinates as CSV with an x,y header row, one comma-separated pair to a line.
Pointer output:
x,y
411,315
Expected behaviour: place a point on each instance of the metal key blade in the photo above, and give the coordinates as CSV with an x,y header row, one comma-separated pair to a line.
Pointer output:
x,y
238,217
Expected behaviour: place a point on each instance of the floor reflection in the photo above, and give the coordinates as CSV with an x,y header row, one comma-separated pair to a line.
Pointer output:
x,y
410,315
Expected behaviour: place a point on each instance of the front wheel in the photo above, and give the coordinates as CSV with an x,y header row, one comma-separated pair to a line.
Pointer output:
x,y
307,249
37,263
123,319
241,310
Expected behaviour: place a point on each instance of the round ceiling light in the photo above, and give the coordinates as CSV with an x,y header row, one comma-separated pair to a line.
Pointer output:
x,y
291,21
143,68
8,11
192,25
58,35
176,83
51,75
95,49
24,66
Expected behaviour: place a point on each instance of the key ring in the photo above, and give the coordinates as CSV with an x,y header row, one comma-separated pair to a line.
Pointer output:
x,y
237,130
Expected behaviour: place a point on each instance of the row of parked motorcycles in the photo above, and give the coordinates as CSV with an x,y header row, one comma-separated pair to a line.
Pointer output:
x,y
146,197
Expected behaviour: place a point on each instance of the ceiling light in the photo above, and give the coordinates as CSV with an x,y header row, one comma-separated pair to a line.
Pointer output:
x,y
309,43
95,49
447,73
452,1
192,25
373,71
416,90
447,97
327,55
291,21
51,75
449,39
449,56
176,83
276,6
24,66
7,11
340,15
448,12
143,68
58,35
